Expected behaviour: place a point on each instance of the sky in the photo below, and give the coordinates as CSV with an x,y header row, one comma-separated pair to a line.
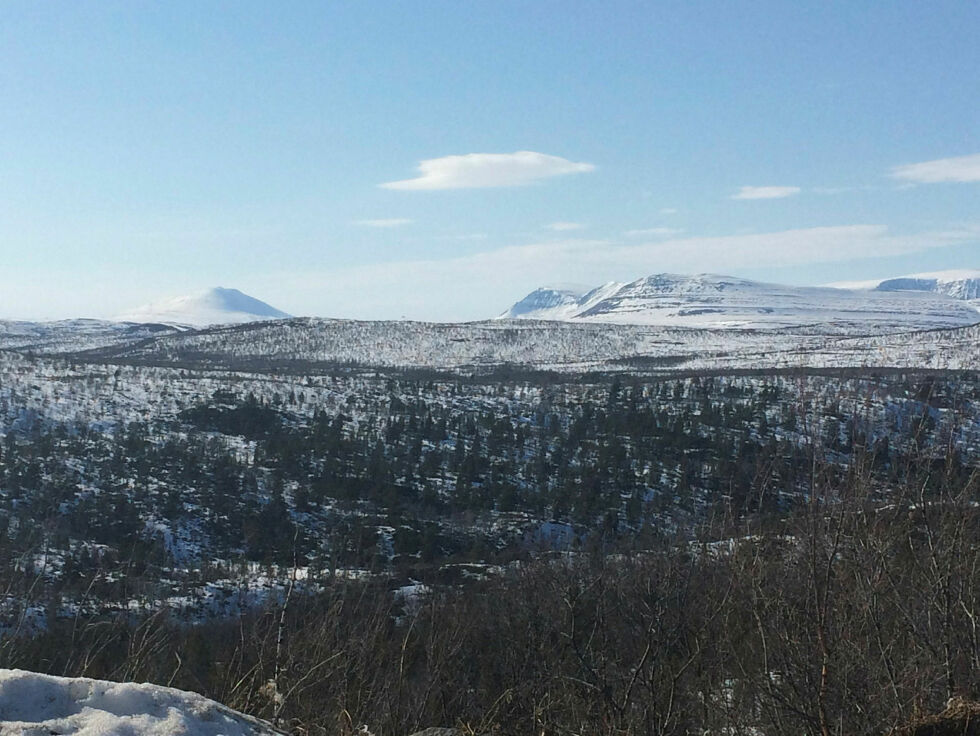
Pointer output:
x,y
439,159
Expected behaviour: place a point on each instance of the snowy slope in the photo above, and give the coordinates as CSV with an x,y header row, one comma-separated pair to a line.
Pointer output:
x,y
31,704
723,302
960,284
71,335
311,345
963,285
556,303
216,306
952,349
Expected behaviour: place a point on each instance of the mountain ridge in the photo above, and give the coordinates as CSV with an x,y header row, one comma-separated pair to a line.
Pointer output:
x,y
727,302
961,284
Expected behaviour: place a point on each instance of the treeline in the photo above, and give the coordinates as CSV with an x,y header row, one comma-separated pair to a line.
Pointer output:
x,y
847,615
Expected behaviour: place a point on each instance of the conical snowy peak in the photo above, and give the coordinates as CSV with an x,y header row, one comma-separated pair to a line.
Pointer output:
x,y
216,306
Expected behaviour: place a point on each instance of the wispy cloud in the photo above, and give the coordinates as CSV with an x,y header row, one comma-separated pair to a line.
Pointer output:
x,y
384,222
668,211
476,170
561,227
765,192
654,232
958,169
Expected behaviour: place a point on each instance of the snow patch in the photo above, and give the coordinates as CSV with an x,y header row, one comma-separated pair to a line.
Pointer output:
x,y
32,704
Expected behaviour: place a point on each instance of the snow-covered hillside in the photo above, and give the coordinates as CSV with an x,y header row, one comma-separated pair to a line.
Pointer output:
x,y
559,303
311,345
218,306
33,704
723,302
71,335
963,285
318,343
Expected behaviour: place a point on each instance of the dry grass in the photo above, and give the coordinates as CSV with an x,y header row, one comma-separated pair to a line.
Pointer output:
x,y
961,718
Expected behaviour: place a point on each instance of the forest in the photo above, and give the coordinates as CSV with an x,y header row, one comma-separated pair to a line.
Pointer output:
x,y
845,615
621,555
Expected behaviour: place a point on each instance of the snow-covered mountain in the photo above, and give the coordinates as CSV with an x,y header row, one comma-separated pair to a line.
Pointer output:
x,y
216,306
32,703
724,302
961,284
560,302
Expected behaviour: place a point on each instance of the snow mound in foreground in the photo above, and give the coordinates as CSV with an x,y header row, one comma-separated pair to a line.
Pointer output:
x,y
39,705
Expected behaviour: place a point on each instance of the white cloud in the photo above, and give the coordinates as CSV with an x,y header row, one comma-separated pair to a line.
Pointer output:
x,y
388,222
474,170
483,284
654,232
668,211
765,192
959,169
561,227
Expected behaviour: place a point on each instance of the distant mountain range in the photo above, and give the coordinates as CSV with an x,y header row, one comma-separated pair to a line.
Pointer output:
x,y
659,323
216,306
921,301
918,301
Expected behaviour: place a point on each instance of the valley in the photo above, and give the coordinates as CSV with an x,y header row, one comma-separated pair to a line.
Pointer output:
x,y
198,493
501,368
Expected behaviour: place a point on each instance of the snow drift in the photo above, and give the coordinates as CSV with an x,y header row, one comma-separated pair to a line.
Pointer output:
x,y
32,704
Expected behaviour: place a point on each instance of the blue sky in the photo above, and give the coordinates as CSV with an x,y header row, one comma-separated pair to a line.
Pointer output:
x,y
153,149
